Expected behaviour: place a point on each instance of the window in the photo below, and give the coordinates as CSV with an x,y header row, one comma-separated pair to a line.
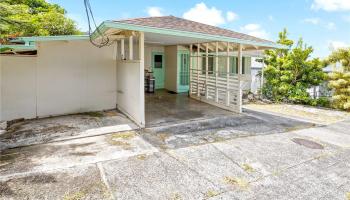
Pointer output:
x,y
158,61
210,65
234,65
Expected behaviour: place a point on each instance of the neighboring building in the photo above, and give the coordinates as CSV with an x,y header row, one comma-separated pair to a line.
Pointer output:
x,y
68,75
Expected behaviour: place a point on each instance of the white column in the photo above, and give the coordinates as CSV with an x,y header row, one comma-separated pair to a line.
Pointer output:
x,y
142,77
228,74
216,71
239,97
122,49
198,47
131,50
206,70
190,83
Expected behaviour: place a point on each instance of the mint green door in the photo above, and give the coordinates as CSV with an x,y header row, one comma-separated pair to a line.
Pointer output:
x,y
183,80
158,69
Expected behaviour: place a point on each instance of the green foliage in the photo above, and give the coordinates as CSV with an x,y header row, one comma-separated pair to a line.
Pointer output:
x,y
33,18
290,72
339,81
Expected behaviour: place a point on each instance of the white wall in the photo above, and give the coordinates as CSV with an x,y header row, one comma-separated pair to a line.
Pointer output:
x,y
18,93
130,90
64,78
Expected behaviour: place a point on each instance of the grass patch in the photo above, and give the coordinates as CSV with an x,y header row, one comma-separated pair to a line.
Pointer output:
x,y
348,195
211,193
75,196
248,168
238,182
124,135
142,157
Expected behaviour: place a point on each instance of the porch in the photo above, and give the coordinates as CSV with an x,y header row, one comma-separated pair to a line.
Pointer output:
x,y
165,108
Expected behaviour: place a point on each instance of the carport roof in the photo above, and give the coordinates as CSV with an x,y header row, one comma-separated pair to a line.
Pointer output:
x,y
176,26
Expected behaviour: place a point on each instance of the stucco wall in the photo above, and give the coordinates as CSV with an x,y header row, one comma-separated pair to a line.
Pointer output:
x,y
148,54
130,90
171,68
65,77
18,87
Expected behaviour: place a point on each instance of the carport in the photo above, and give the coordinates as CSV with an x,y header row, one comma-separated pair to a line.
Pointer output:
x,y
213,76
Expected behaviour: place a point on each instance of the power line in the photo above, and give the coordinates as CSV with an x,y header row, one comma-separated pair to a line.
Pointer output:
x,y
90,17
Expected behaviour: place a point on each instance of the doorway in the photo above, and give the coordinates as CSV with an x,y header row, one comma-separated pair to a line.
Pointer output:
x,y
184,71
158,69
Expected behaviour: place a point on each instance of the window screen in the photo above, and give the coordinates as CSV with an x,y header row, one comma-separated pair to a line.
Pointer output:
x,y
158,61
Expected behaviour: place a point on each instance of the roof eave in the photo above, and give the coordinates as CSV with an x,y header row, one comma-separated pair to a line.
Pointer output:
x,y
51,38
118,25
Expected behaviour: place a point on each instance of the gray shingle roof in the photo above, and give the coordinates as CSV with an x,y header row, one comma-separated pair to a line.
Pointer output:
x,y
176,23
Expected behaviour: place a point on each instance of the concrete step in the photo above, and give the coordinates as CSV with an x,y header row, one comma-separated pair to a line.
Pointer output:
x,y
205,124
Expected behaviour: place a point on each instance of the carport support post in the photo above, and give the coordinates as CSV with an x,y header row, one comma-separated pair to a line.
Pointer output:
x,y
228,74
239,97
190,83
131,50
122,50
142,76
216,71
206,70
198,92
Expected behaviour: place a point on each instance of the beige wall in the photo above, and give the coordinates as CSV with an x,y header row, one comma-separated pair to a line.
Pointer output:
x,y
130,90
65,77
171,68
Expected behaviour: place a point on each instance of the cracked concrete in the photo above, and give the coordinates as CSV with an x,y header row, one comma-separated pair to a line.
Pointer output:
x,y
261,165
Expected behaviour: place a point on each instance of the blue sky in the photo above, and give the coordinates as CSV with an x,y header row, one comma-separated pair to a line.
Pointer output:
x,y
323,24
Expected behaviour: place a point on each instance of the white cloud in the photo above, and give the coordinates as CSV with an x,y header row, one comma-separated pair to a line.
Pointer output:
x,y
331,26
331,5
155,11
201,13
255,30
334,45
231,16
313,21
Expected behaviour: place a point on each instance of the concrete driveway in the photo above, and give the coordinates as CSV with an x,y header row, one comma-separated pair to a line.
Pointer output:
x,y
285,160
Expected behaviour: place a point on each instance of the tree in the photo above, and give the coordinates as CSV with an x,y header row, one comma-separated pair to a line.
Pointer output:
x,y
34,18
339,80
290,72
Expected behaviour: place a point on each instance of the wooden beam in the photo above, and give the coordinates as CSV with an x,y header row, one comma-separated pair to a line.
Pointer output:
x,y
228,74
216,71
240,64
198,47
190,83
122,49
206,70
131,48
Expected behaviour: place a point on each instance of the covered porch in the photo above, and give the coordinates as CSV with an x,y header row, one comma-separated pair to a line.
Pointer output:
x,y
211,79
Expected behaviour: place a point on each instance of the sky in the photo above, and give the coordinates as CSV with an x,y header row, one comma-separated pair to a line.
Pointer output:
x,y
323,24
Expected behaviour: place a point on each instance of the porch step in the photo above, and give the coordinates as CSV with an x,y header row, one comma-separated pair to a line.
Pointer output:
x,y
204,124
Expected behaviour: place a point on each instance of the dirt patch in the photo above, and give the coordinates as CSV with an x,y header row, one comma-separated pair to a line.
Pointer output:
x,y
39,179
5,189
307,143
83,153
94,114
211,193
19,131
74,146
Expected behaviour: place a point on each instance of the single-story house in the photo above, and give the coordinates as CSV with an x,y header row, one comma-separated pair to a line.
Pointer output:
x,y
67,74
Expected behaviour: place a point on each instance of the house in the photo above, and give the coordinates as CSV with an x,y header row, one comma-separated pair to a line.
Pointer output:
x,y
68,74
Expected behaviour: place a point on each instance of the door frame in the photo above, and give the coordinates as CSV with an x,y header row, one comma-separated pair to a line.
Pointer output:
x,y
163,68
182,88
